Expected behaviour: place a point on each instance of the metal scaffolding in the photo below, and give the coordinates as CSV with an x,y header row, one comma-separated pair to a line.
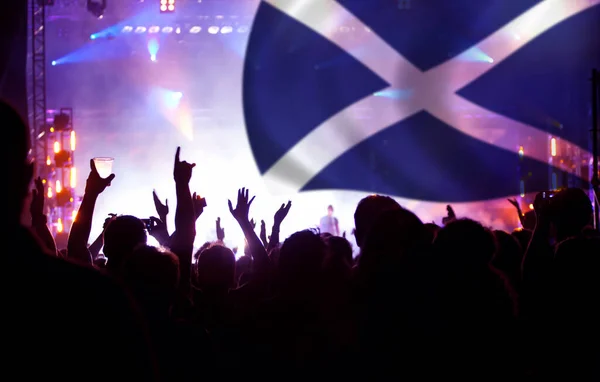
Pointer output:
x,y
52,134
37,84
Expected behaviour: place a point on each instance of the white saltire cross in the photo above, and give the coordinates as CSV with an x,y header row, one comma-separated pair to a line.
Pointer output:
x,y
433,91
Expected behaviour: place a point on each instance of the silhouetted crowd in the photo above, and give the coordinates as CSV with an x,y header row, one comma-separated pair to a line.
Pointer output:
x,y
421,301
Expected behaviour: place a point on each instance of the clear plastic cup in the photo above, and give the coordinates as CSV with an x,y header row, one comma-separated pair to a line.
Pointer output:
x,y
104,166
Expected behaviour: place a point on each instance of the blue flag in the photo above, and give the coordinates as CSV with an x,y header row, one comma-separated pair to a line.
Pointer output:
x,y
443,101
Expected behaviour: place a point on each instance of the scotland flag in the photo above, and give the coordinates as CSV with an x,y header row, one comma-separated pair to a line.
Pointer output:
x,y
433,100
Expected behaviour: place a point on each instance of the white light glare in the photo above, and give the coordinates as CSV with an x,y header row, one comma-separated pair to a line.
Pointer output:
x,y
195,29
213,30
226,29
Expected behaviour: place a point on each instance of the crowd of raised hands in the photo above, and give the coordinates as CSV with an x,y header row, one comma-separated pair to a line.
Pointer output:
x,y
420,301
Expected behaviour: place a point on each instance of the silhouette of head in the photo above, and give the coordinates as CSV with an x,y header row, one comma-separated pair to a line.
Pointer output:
x,y
216,268
523,236
396,236
465,244
122,236
243,265
204,246
367,212
153,273
326,235
340,251
301,257
509,254
17,167
330,210
571,212
432,230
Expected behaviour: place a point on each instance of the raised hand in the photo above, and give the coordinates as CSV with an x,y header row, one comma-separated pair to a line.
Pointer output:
x,y
240,213
96,184
199,204
36,208
182,170
158,230
253,223
514,203
263,233
220,230
161,209
282,212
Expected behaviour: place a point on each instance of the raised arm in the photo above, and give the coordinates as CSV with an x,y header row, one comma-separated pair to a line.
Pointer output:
x,y
182,241
97,245
277,220
39,221
82,226
240,213
220,231
263,233
161,209
515,204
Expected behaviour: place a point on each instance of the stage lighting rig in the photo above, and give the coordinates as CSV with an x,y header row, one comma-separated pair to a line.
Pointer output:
x,y
96,8
167,6
61,121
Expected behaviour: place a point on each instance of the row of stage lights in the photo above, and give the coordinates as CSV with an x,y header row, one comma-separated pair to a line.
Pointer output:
x,y
214,29
195,29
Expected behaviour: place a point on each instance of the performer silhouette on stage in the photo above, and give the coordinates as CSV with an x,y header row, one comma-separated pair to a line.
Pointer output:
x,y
329,224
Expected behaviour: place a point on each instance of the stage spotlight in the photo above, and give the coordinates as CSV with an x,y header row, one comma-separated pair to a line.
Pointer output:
x,y
64,197
243,29
62,158
195,29
96,8
61,121
167,6
226,29
53,63
213,30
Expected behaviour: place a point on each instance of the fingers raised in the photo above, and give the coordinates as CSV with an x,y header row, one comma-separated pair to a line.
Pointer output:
x,y
177,152
93,166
